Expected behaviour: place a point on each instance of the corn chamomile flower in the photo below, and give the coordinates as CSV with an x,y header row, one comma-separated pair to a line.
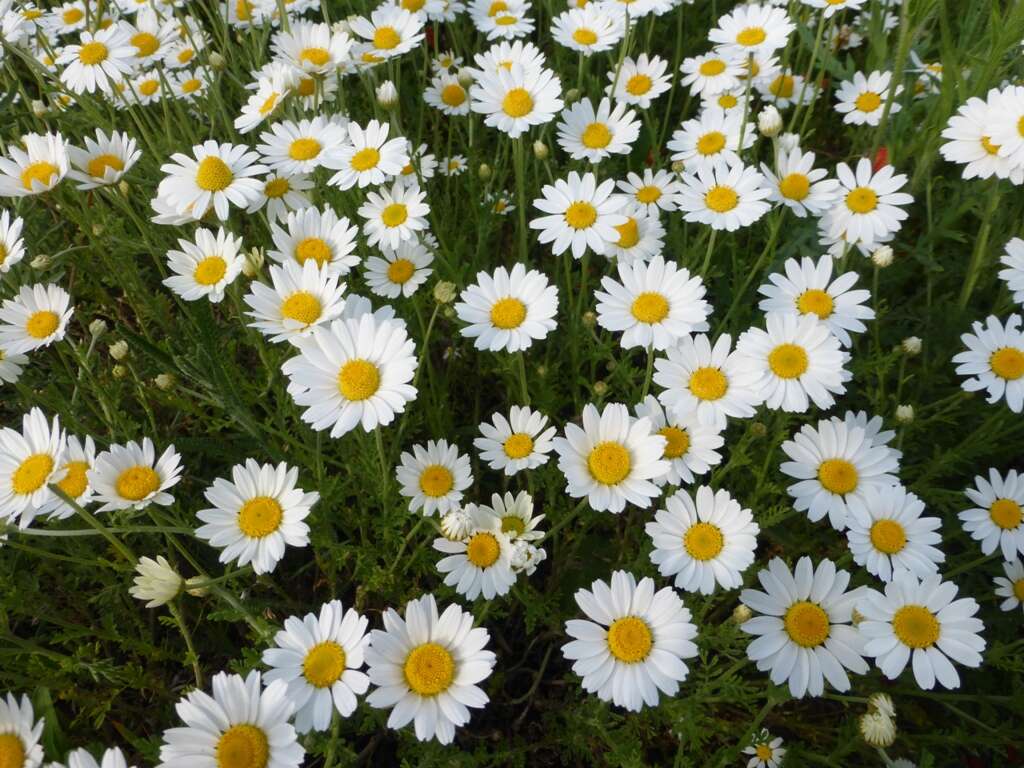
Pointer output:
x,y
869,207
514,99
150,35
241,724
1012,587
433,477
798,185
400,272
587,30
480,563
641,238
711,73
104,161
509,309
502,55
131,476
78,458
1007,119
515,516
282,194
11,366
319,658
521,441
352,372
804,634
593,134
390,31
265,100
640,81
35,317
189,84
322,237
969,141
12,246
751,30
299,299
206,267
313,48
156,582
427,667
630,648
30,460
510,22
453,166
98,61
20,733
919,619
765,751
993,360
690,444
447,94
37,168
612,460
784,90
711,137
219,175
704,541
394,214
368,157
301,147
1012,260
723,196
997,520
653,192
834,464
861,100
580,214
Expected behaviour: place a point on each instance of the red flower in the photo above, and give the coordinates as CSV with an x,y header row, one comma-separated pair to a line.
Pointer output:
x,y
881,159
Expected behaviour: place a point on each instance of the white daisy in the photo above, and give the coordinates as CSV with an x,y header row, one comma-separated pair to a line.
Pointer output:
x,y
104,161
969,141
711,137
323,237
150,35
302,297
368,157
100,60
390,31
433,477
711,73
785,90
641,238
37,168
580,213
282,194
515,516
312,48
751,29
655,191
993,360
301,147
1012,587
35,317
131,476
861,100
592,135
516,98
869,203
20,733
12,246
265,100
724,196
481,562
78,458
1007,117
206,267
997,520
220,175
798,185
11,366
30,461
765,751
1012,260
521,441
395,214
690,444
587,30
640,81
447,94
502,55
509,309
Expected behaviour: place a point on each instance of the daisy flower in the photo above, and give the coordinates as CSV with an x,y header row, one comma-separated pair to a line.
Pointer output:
x,y
516,98
67,17
302,297
807,288
219,175
150,35
281,194
98,61
507,23
301,147
805,636
521,441
368,157
324,238
654,304
1012,261
395,214
785,90
399,272
1007,116
705,541
592,135
503,55
433,477
78,458
765,751
35,317
993,360
834,464
453,166
887,533
481,562
319,658
630,648
82,758
36,169
751,30
580,213
712,381
104,161
613,459
798,185
206,267
799,359
711,73
920,618
312,48
724,196
1012,587
351,372
508,310
390,30
641,239
711,137
242,723
20,733
969,141
997,520
735,101
831,7
30,460
515,516
640,81
426,668
862,100
654,192
690,444
189,85
869,208
11,366
264,101
447,94
131,476
587,30
12,246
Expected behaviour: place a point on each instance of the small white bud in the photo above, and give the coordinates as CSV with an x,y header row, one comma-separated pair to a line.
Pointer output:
x,y
39,108
42,261
788,142
741,614
164,381
156,582
253,262
678,166
387,95
98,327
216,60
769,122
877,729
882,256
119,350
526,557
882,702
911,346
444,292
904,414
540,150
456,525
573,94
465,77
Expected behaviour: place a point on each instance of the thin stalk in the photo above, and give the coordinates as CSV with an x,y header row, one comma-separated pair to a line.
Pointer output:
x,y
115,542
980,246
524,388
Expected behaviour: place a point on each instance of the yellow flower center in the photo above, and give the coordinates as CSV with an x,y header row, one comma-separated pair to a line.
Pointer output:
x,y
304,149
243,746
888,536
42,172
453,94
782,86
191,85
145,43
210,270
149,87
763,751
862,200
243,10
727,101
436,480
517,102
31,474
12,751
42,324
386,38
518,445
497,7
513,524
260,516
1007,363
795,186
136,483
788,361
400,270
213,174
365,159
649,194
868,101
986,143
1005,513
394,215
358,380
301,306
315,56
650,307
306,86
596,136
837,476
276,188
1018,589
751,36
721,199
324,664
413,5
580,215
3,258
482,550
584,36
817,301
630,639
73,15
429,669
313,248
678,441
185,56
75,481
712,67
506,21
703,541
508,313
609,463
629,233
916,626
806,624
93,53
711,143
638,85
708,383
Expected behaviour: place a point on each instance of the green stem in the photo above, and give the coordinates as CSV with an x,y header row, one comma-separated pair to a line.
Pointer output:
x,y
115,542
810,70
980,246
187,636
524,389
520,170
707,255
648,373
565,520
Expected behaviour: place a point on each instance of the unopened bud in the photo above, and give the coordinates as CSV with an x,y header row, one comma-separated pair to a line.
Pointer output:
x,y
98,327
589,319
769,122
882,256
540,150
253,262
788,142
904,414
119,350
678,166
573,94
465,77
194,587
164,381
877,729
39,108
758,429
97,229
741,614
42,261
444,292
911,346
124,187
387,95
600,388
882,703
484,171
342,27
216,60
119,371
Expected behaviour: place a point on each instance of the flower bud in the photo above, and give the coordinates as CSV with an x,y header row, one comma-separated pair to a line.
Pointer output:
x,y
98,327
119,371
194,587
119,350
444,292
877,729
124,187
484,171
456,525
882,256
216,60
39,108
600,388
788,142
769,122
758,429
387,95
678,166
540,150
97,229
741,614
465,76
882,703
42,261
157,582
164,381
911,346
526,557
589,319
253,262
573,94
904,414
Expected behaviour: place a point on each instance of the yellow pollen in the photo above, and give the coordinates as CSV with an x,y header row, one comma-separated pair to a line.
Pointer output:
x,y
1020,127
497,7
815,301
413,5
711,143
145,43
365,159
394,215
630,639
429,669
596,136
301,306
764,751
136,483
3,258
580,215
712,67
306,86
888,536
191,85
92,54
1018,589
358,380
508,313
678,441
400,270
727,101
304,149
186,56
703,541
324,664
513,524
782,86
386,38
482,550
1007,363
838,476
518,445
751,36
1005,513
243,10
75,481
788,361
629,233
868,101
806,624
986,143
721,199
42,324
260,516
609,463
795,186
276,188
506,21
149,87
315,56
915,626
73,15
31,14
584,36
210,270
12,751
517,103
436,480
453,94
42,172
31,474
213,174
243,746
862,200
708,383
269,104
649,194
313,248
638,85
650,307
99,164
